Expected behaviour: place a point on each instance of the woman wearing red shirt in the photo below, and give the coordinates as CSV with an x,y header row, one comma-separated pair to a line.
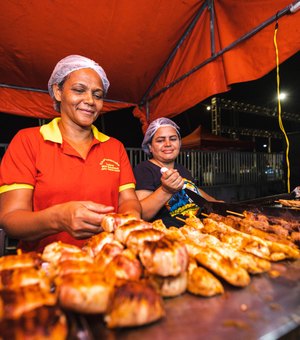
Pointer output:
x,y
58,181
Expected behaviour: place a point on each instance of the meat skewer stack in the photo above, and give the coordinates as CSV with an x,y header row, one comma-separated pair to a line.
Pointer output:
x,y
290,203
124,273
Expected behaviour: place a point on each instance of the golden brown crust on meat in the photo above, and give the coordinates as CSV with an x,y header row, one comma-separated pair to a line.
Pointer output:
x,y
202,282
134,303
53,251
123,267
159,225
290,203
96,242
43,323
165,257
107,253
16,302
15,278
136,238
84,293
223,267
71,266
112,221
169,286
22,260
122,232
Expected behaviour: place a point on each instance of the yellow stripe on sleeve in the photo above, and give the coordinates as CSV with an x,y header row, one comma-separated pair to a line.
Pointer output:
x,y
127,186
15,186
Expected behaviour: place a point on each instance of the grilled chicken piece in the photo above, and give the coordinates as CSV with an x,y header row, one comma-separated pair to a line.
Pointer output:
x,y
165,257
94,244
238,240
268,236
85,294
290,203
13,303
174,233
20,261
169,286
42,323
53,251
261,222
272,229
112,221
288,223
12,279
122,232
223,267
123,266
269,250
107,253
202,282
135,240
253,264
214,261
68,262
73,266
194,222
281,251
134,303
248,261
81,256
295,236
258,227
197,236
159,225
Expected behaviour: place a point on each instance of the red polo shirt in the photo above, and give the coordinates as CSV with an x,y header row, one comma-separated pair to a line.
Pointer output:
x,y
39,159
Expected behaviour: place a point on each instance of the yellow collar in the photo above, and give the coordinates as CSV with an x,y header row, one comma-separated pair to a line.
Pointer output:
x,y
52,133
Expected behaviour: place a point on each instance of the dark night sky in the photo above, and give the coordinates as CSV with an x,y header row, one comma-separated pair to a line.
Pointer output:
x,y
261,92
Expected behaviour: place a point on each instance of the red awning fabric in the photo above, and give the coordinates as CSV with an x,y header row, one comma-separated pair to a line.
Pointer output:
x,y
203,140
161,57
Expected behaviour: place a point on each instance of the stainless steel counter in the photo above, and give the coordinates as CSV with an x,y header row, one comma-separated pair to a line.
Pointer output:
x,y
269,308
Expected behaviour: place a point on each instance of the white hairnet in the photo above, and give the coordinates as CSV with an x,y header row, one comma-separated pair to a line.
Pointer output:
x,y
73,63
153,127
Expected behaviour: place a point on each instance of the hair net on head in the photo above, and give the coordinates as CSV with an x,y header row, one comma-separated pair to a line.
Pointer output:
x,y
153,127
73,63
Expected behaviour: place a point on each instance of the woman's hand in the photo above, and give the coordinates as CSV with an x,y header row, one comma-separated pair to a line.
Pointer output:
x,y
171,181
82,219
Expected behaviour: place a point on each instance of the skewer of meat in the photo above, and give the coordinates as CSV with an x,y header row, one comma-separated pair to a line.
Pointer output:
x,y
215,262
273,251
202,282
290,203
259,229
248,261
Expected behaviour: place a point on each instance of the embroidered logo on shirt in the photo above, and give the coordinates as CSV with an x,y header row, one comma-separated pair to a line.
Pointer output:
x,y
109,165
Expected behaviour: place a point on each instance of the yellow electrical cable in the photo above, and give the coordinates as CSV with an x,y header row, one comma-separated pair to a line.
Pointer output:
x,y
279,111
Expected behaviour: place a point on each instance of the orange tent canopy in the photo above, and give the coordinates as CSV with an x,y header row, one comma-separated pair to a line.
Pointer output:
x,y
161,57
203,140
